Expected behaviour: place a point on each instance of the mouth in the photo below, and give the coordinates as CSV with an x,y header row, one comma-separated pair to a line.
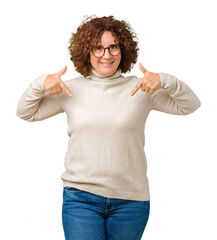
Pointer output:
x,y
106,64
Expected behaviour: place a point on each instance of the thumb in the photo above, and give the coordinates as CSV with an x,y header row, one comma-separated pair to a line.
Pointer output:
x,y
142,68
62,71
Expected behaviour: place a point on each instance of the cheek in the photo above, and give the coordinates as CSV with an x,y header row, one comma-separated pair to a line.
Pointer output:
x,y
93,60
118,59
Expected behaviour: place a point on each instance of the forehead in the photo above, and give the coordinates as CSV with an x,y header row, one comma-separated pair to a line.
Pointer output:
x,y
107,38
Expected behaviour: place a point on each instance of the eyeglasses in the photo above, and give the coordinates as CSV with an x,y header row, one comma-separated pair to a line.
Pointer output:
x,y
99,51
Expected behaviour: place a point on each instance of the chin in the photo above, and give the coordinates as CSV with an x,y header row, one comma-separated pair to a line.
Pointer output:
x,y
107,72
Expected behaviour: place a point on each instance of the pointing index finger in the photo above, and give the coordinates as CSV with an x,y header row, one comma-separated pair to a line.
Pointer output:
x,y
136,88
65,88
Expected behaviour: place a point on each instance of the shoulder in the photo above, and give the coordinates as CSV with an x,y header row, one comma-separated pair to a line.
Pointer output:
x,y
74,80
132,78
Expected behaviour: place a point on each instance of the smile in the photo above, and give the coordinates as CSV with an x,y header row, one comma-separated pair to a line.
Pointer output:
x,y
106,63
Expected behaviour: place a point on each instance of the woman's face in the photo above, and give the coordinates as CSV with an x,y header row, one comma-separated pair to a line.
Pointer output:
x,y
107,64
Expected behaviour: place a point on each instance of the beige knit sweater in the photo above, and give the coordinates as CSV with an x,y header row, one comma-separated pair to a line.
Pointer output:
x,y
106,124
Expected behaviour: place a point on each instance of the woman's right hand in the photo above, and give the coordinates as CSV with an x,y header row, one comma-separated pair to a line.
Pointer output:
x,y
54,85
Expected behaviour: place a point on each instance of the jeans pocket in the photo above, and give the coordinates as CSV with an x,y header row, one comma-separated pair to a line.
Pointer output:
x,y
72,190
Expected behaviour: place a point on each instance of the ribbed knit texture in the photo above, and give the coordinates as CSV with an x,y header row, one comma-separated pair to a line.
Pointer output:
x,y
106,124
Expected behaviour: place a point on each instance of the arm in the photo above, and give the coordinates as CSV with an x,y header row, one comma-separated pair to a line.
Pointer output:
x,y
174,97
35,104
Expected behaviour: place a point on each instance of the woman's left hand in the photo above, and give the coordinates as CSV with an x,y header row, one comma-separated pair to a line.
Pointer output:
x,y
149,83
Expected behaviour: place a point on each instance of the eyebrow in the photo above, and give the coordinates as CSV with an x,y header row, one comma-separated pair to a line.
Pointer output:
x,y
108,46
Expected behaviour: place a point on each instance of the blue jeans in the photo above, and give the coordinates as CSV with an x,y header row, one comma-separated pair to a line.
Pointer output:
x,y
88,216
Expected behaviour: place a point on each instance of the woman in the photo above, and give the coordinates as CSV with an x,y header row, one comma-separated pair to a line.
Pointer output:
x,y
106,191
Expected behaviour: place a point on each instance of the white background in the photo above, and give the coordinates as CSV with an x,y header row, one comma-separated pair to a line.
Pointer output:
x,y
176,37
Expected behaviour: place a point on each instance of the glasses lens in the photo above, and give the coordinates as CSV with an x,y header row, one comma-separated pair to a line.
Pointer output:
x,y
98,51
114,49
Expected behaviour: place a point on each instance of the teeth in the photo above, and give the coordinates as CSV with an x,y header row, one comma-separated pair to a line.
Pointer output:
x,y
106,63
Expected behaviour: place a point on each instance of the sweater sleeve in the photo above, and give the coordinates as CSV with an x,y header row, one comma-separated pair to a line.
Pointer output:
x,y
36,104
174,97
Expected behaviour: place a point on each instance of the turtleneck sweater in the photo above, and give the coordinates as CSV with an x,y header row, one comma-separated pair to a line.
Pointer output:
x,y
105,154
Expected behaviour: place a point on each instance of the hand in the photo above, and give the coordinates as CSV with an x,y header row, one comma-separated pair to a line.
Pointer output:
x,y
149,83
54,85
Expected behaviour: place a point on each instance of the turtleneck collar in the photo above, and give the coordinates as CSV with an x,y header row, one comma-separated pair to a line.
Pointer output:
x,y
97,77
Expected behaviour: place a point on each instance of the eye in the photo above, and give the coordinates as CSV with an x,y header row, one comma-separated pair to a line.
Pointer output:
x,y
97,48
113,46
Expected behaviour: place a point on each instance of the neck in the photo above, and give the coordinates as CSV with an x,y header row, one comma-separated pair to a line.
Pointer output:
x,y
98,77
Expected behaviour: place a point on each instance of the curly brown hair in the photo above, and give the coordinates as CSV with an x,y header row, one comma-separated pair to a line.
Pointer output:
x,y
89,34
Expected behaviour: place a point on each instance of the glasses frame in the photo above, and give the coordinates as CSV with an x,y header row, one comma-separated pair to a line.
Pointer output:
x,y
104,48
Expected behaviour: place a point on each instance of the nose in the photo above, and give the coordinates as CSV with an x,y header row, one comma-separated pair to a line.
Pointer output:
x,y
107,54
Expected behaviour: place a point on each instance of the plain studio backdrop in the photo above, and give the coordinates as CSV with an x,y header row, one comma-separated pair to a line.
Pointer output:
x,y
176,37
